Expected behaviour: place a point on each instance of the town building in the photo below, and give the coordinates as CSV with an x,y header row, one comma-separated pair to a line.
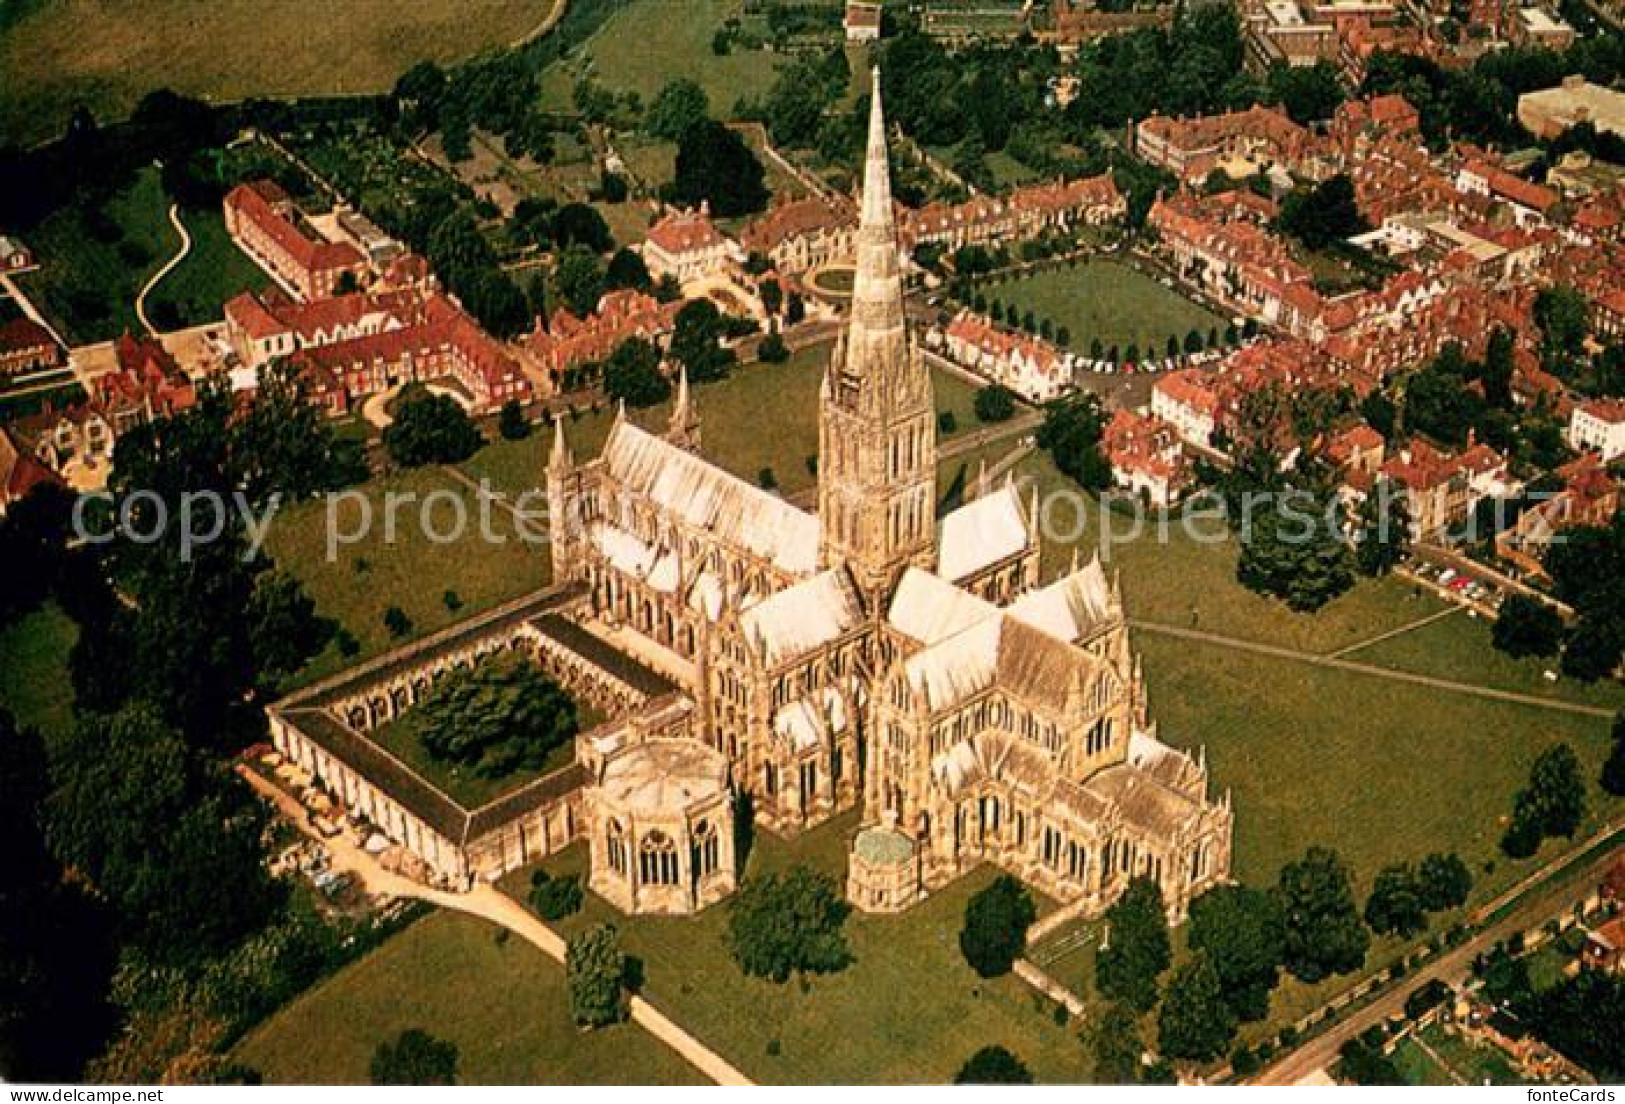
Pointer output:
x,y
1600,425
688,247
1031,367
568,342
862,20
26,347
260,217
799,235
1146,458
1441,489
1240,143
1589,496
1549,112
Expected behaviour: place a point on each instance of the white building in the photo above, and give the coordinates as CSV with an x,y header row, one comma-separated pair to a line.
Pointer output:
x,y
1600,425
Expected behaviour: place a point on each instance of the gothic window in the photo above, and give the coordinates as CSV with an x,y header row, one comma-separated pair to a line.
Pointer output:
x,y
770,779
706,849
616,840
1052,847
657,860
809,782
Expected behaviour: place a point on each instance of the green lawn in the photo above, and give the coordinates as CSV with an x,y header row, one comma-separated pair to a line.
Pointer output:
x,y
501,1001
34,683
87,286
63,52
410,570
1472,1063
761,416
214,270
908,1010
648,43
470,790
1107,300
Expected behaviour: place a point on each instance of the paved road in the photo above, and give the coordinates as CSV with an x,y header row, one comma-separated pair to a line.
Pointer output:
x,y
490,904
169,266
1320,1052
1392,675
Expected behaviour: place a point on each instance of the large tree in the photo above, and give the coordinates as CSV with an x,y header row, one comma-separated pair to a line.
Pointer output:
x,y
414,1057
170,840
996,923
431,429
1613,770
595,969
632,374
1115,1046
1324,933
501,715
1527,627
696,342
1243,935
680,105
715,166
780,924
1196,1023
993,1065
1553,802
1397,905
1292,550
1444,881
1072,433
1139,949
1325,214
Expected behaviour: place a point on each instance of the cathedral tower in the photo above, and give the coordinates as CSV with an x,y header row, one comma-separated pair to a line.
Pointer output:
x,y
877,450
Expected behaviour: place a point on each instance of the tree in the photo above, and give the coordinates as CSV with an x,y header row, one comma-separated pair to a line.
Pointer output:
x,y
431,429
696,342
993,1065
1324,933
501,715
1115,1046
1139,949
1243,935
681,105
715,166
1563,318
627,270
1196,1023
555,898
1527,627
171,841
632,374
995,403
396,621
996,923
512,423
1580,1017
414,1057
580,280
1552,804
1613,770
283,444
789,923
1293,551
1444,881
1325,214
1363,1064
580,224
595,969
1382,531
772,296
773,350
1071,433
1395,906
284,629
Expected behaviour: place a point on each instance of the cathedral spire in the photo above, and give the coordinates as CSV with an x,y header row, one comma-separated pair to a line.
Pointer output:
x,y
561,458
684,428
877,293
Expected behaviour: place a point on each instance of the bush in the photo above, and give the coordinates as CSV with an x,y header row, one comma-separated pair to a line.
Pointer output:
x,y
555,898
511,423
431,429
996,923
995,404
773,350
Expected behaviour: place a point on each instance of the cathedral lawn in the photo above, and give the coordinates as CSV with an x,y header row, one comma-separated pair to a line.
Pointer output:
x,y
907,1010
470,790
760,416
34,681
500,1000
62,52
1108,300
412,571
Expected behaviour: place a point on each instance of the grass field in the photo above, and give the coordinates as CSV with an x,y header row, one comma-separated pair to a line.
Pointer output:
x,y
34,682
761,416
503,1003
214,270
648,43
408,569
1107,300
87,286
908,1010
64,52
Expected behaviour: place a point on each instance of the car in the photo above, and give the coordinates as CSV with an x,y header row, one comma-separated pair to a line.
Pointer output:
x,y
1447,576
1460,584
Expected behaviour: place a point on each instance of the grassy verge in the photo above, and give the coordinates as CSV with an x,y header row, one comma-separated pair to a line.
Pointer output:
x,y
34,682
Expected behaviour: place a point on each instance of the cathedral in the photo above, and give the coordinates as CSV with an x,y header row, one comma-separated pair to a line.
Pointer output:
x,y
874,656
